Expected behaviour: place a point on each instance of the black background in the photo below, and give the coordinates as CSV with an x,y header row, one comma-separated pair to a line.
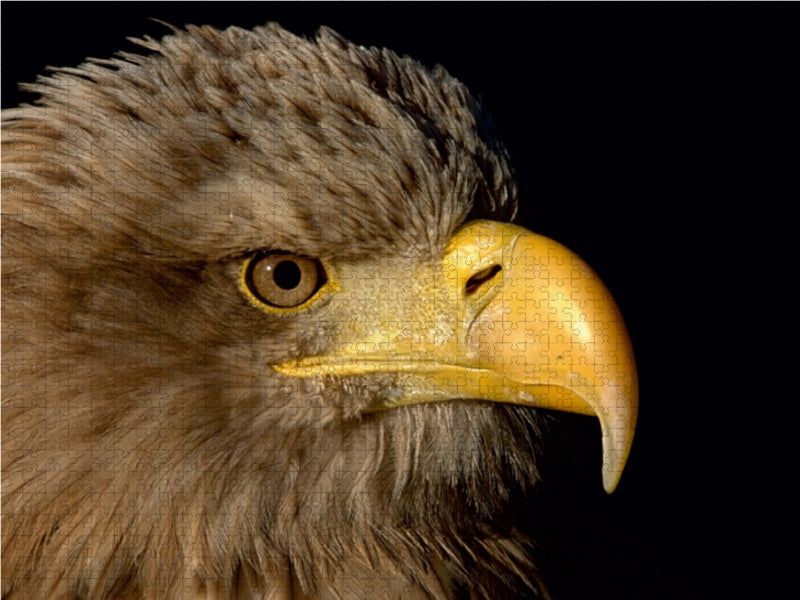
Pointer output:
x,y
643,139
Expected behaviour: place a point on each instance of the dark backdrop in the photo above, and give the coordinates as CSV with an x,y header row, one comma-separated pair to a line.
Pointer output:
x,y
639,138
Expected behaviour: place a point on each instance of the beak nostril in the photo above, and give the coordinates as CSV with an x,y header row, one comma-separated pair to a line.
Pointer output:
x,y
480,278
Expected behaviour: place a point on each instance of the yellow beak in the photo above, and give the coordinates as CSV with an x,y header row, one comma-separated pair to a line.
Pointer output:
x,y
505,315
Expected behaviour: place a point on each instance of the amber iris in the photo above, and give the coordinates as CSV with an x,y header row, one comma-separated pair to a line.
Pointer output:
x,y
285,280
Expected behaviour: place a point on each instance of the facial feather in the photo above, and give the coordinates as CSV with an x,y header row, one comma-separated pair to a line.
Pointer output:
x,y
146,443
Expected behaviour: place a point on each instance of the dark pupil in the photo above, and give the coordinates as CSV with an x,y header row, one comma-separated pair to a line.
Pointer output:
x,y
287,275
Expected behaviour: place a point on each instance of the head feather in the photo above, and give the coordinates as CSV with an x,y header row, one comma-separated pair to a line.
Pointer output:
x,y
145,446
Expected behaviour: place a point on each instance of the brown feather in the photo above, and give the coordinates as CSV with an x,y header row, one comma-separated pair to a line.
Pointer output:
x,y
146,451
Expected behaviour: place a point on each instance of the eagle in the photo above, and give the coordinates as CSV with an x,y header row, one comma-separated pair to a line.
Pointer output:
x,y
270,332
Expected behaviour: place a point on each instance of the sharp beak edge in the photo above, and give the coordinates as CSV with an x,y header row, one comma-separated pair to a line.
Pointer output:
x,y
556,333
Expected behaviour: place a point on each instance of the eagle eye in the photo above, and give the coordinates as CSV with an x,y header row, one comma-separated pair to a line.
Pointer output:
x,y
284,280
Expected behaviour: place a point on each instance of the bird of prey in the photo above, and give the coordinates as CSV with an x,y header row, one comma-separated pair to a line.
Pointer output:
x,y
268,331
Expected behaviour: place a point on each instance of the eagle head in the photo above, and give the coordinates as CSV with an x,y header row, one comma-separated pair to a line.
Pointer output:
x,y
267,330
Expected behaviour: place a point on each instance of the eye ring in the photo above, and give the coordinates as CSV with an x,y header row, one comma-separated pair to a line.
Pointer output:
x,y
282,281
